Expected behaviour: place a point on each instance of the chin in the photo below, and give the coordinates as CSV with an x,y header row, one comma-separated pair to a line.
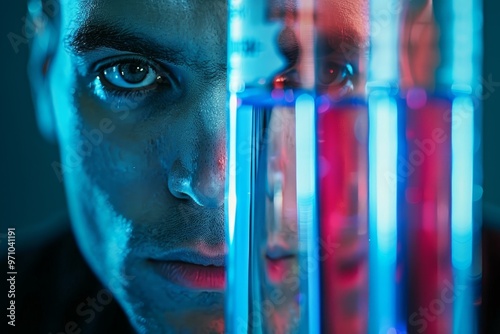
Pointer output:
x,y
156,305
146,319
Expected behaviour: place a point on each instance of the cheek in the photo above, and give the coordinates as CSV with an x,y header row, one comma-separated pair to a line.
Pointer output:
x,y
126,171
103,235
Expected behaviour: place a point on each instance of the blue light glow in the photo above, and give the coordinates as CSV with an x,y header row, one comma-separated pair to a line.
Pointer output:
x,y
384,37
238,204
383,76
383,150
462,219
307,209
463,35
231,175
462,163
465,66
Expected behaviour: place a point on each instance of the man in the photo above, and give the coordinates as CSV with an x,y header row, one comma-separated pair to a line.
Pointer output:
x,y
134,92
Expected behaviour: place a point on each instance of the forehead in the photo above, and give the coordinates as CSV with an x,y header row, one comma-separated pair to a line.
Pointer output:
x,y
190,22
161,11
343,16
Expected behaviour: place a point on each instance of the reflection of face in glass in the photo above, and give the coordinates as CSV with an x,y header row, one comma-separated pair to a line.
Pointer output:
x,y
339,56
138,97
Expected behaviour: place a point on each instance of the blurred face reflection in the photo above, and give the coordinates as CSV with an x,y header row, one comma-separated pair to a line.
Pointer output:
x,y
139,99
340,55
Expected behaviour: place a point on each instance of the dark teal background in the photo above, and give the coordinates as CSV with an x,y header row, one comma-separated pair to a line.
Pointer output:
x,y
30,191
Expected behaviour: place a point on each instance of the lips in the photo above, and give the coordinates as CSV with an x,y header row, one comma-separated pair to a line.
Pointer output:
x,y
278,270
193,269
280,263
192,275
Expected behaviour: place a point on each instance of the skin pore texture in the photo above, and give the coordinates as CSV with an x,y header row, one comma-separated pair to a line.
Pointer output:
x,y
144,169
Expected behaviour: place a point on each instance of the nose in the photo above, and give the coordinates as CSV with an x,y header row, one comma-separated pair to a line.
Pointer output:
x,y
197,172
203,181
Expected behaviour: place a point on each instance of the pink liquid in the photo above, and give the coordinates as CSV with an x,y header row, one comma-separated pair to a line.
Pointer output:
x,y
428,198
343,169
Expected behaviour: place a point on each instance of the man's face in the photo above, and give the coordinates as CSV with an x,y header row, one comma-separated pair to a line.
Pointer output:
x,y
139,99
139,88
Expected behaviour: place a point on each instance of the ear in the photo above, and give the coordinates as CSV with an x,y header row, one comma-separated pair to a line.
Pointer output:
x,y
43,48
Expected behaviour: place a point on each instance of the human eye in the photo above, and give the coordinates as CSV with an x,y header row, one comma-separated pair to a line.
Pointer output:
x,y
132,76
336,78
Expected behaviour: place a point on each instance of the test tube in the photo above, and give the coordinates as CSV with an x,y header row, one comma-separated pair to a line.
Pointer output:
x,y
441,65
271,211
343,167
425,172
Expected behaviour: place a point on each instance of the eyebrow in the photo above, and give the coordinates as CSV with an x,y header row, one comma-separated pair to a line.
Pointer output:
x,y
91,37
